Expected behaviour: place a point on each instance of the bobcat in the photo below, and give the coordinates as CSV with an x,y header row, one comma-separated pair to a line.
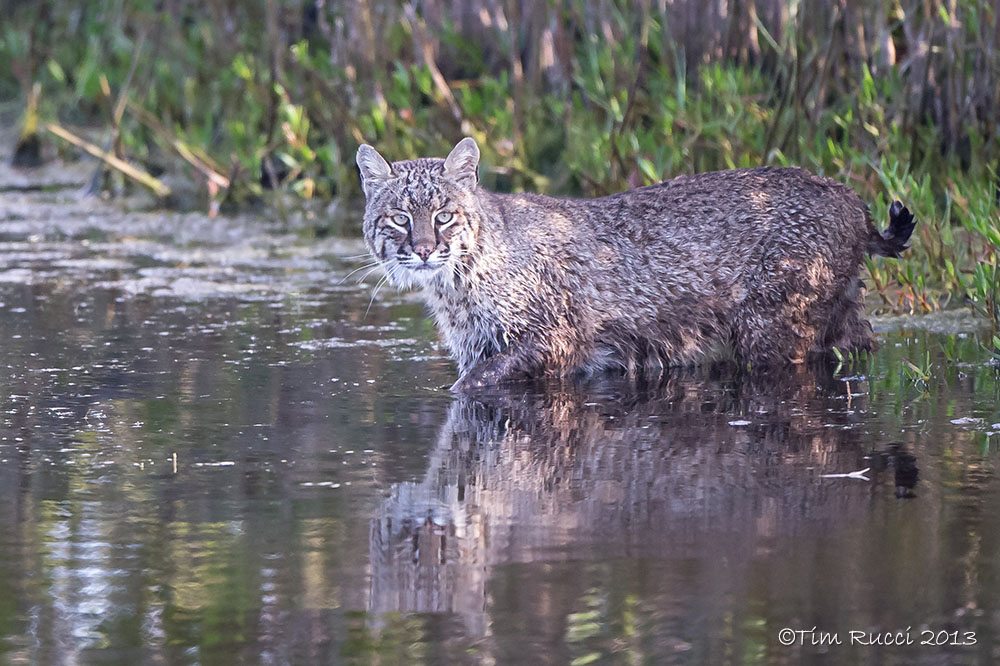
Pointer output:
x,y
758,263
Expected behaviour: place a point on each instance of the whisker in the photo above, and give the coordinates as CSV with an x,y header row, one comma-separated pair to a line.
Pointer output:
x,y
374,293
378,285
365,276
462,271
374,263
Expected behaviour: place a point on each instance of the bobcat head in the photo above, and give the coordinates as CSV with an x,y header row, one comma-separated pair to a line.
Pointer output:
x,y
420,215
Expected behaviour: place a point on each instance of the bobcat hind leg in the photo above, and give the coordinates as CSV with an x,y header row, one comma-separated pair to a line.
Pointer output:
x,y
847,328
787,312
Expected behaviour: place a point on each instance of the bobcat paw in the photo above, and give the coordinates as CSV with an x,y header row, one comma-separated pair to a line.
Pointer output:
x,y
468,383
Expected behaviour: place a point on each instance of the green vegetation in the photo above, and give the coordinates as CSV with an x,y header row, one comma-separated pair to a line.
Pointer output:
x,y
896,98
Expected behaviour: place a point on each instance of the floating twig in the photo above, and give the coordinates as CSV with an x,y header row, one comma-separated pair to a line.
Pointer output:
x,y
860,474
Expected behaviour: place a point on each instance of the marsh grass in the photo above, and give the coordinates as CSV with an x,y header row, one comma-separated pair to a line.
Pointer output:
x,y
565,97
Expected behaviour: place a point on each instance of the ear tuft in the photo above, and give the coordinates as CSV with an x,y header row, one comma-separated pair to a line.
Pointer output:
x,y
373,166
462,162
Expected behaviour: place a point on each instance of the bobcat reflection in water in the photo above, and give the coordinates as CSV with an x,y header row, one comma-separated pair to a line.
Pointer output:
x,y
697,467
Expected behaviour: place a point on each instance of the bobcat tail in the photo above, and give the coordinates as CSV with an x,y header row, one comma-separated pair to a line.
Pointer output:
x,y
895,239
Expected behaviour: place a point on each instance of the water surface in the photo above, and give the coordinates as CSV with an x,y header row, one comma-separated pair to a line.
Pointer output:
x,y
212,451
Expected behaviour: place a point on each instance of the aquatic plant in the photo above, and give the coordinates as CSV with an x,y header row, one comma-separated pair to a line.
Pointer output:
x,y
918,375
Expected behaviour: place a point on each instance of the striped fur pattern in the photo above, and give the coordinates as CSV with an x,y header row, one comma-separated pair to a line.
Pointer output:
x,y
761,264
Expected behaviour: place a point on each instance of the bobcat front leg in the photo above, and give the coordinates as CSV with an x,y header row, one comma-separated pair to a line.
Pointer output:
x,y
517,362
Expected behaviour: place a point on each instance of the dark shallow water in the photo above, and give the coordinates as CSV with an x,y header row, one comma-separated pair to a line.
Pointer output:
x,y
210,453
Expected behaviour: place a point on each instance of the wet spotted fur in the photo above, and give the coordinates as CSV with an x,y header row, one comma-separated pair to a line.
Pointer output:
x,y
761,263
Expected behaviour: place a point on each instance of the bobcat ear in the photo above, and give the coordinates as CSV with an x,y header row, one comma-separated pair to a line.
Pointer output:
x,y
462,162
373,167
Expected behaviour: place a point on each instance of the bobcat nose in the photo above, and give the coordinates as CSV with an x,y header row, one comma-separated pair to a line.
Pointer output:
x,y
423,250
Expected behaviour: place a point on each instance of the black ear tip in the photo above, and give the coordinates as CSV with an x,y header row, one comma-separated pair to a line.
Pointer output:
x,y
895,208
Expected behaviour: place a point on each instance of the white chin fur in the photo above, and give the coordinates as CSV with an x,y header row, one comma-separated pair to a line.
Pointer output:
x,y
422,278
403,276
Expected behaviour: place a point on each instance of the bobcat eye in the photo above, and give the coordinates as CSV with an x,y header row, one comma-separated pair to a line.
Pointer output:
x,y
399,221
444,218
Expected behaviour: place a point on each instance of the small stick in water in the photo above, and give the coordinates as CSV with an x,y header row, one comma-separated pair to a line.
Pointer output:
x,y
860,474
